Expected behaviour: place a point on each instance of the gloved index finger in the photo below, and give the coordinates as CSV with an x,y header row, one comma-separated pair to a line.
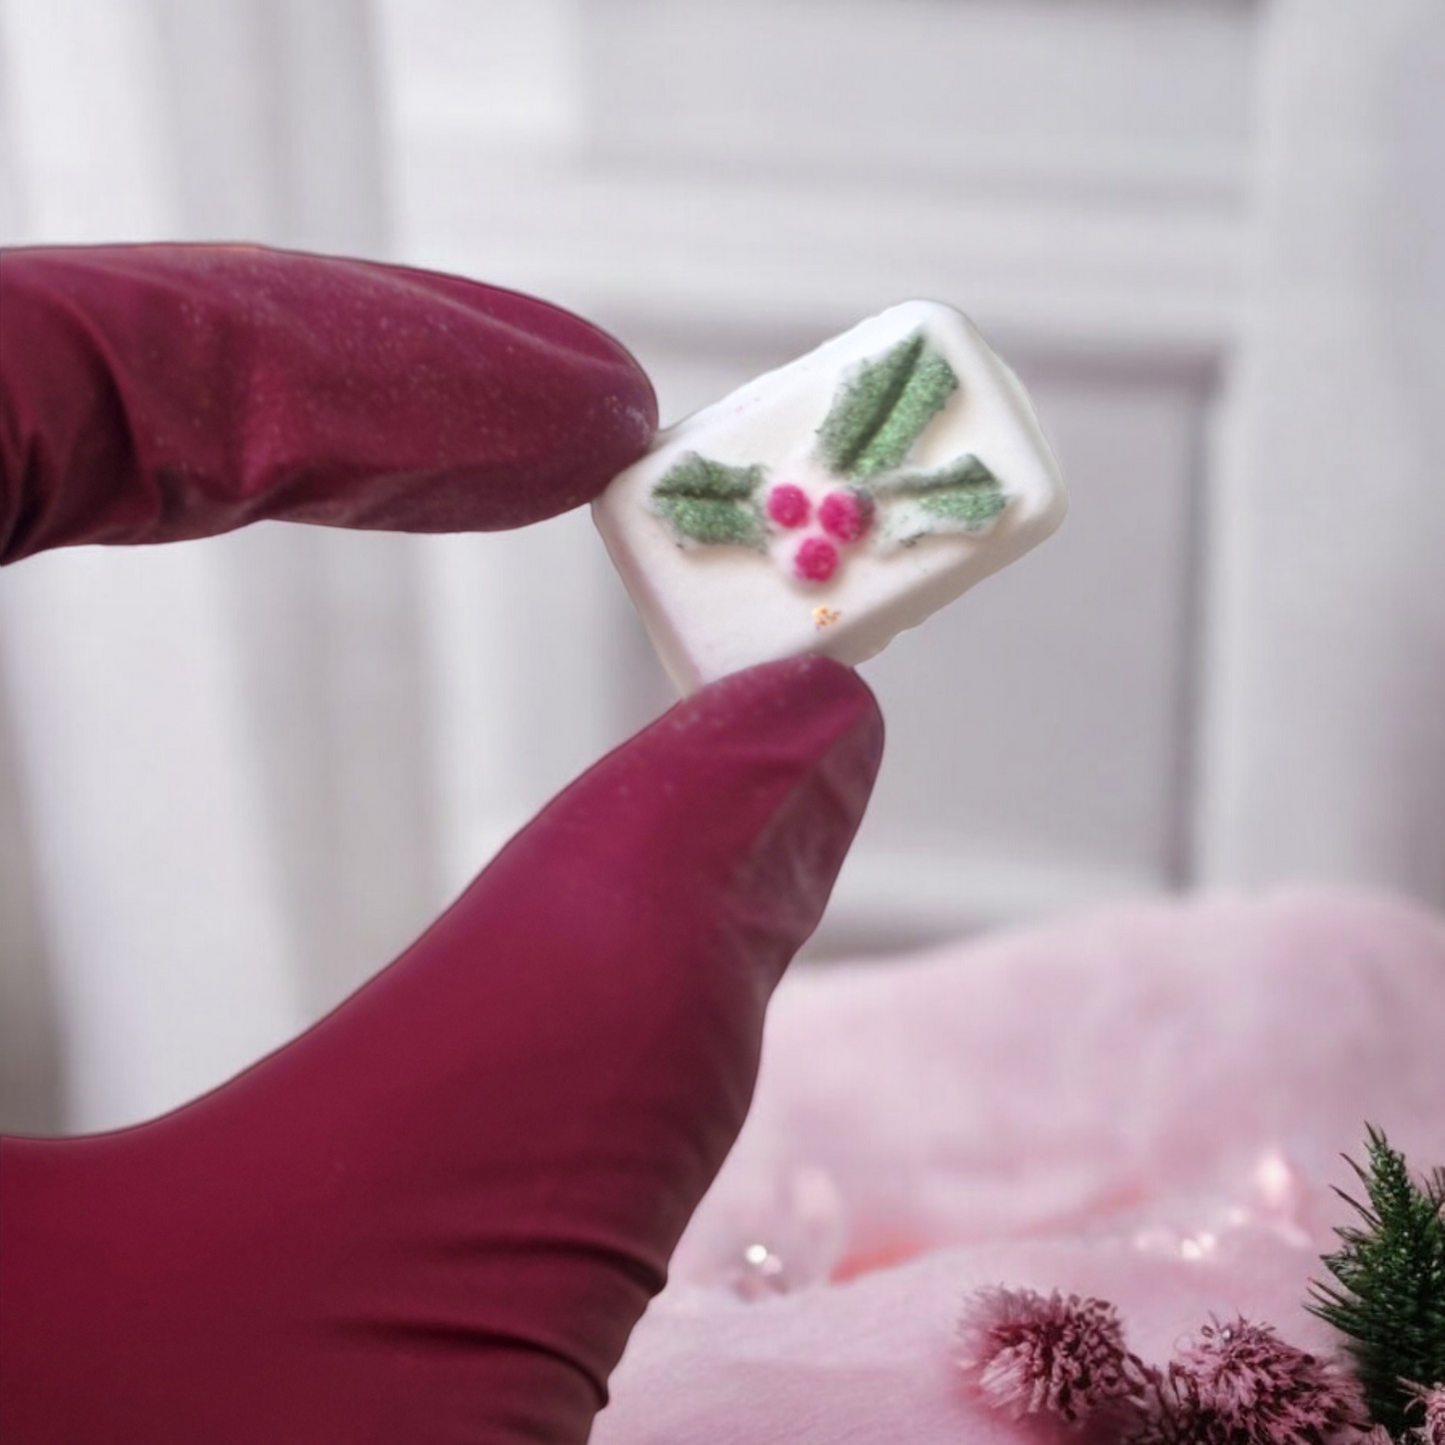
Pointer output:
x,y
155,393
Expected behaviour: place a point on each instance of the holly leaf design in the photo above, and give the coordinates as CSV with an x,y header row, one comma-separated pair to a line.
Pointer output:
x,y
878,415
964,496
710,502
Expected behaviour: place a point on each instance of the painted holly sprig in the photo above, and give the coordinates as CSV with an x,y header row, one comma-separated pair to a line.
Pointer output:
x,y
877,417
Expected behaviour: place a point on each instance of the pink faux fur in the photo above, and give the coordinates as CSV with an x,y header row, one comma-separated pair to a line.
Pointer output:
x,y
1146,1105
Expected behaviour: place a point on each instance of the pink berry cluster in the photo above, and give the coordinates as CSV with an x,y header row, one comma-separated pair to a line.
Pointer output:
x,y
845,517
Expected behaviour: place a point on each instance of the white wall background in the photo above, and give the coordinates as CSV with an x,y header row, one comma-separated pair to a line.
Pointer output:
x,y
1211,234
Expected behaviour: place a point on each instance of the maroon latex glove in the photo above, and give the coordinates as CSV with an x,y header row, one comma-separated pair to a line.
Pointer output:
x,y
437,1215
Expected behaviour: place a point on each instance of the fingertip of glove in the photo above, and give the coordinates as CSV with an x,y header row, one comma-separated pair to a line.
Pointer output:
x,y
814,729
816,699
567,406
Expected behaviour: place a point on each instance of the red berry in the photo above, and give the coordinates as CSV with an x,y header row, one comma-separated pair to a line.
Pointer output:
x,y
816,560
788,505
846,515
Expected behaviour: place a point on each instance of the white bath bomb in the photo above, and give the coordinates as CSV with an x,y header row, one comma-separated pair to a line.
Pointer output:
x,y
828,505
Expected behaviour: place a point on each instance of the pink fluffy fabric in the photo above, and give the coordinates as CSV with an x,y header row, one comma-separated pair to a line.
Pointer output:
x,y
1147,1105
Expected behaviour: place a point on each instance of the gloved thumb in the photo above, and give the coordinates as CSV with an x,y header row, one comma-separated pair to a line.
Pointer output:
x,y
440,1212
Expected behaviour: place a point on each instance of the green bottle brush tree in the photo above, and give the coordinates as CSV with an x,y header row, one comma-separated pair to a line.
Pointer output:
x,y
1386,1291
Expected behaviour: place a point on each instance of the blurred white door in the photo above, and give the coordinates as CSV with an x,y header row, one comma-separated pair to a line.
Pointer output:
x,y
1209,235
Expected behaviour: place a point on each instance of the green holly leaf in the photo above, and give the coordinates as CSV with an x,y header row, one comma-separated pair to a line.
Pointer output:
x,y
964,496
710,502
878,415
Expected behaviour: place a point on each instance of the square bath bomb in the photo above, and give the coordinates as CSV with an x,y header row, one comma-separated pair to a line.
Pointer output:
x,y
827,505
